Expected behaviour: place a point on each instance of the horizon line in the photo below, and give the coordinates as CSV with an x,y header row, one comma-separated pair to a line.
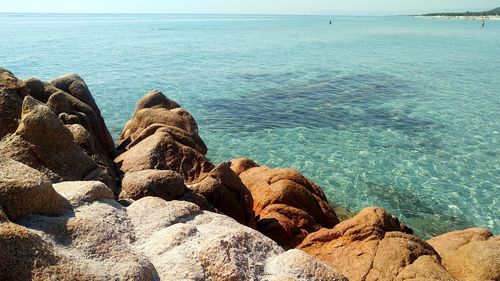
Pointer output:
x,y
202,14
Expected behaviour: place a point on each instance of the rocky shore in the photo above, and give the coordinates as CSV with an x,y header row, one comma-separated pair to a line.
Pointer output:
x,y
75,207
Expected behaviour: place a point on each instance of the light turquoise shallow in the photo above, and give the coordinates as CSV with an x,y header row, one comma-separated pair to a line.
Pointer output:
x,y
392,111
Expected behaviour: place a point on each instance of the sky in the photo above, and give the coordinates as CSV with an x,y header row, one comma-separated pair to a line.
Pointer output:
x,y
307,7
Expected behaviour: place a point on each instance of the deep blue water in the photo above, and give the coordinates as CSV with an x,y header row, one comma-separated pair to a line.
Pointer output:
x,y
398,112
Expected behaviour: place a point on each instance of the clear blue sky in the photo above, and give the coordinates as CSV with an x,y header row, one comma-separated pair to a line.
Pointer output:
x,y
353,7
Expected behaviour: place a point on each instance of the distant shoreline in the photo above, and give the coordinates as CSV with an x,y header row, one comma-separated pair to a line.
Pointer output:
x,y
460,17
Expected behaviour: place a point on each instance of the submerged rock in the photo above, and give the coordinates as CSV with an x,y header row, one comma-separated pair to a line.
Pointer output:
x,y
288,206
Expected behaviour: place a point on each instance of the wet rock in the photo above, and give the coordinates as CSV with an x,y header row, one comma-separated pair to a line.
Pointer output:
x,y
24,191
167,185
470,254
160,151
225,191
373,246
288,206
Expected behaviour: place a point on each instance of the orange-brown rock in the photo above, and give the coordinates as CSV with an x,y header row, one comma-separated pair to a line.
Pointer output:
x,y
156,112
162,152
225,191
167,185
470,254
240,165
373,246
288,206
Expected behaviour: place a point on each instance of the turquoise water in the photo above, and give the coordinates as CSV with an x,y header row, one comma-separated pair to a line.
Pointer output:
x,y
392,111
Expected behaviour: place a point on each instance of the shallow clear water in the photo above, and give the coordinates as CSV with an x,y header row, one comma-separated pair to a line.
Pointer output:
x,y
392,111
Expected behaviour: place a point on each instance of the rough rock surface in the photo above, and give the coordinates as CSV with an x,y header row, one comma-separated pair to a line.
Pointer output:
x,y
373,246
24,191
160,151
288,206
156,112
41,141
186,243
225,191
152,239
83,192
167,185
470,254
75,86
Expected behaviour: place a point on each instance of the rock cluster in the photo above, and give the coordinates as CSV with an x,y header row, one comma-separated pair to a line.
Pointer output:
x,y
74,207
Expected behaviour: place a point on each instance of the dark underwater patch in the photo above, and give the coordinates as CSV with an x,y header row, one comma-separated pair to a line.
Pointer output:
x,y
363,100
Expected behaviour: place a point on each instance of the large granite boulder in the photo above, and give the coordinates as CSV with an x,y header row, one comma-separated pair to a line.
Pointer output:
x,y
288,206
225,191
156,112
25,255
75,97
162,152
165,184
186,243
10,102
24,191
470,254
42,141
152,239
83,192
374,245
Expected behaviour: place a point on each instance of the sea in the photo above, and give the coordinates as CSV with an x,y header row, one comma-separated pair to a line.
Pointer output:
x,y
391,111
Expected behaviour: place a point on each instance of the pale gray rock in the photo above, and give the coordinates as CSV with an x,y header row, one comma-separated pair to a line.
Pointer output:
x,y
83,192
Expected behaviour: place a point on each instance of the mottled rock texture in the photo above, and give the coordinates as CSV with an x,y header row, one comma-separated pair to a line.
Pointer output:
x,y
287,205
374,245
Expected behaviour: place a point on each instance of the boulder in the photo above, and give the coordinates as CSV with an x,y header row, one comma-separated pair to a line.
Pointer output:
x,y
373,245
160,151
168,185
97,238
288,206
186,243
240,165
42,142
62,102
24,191
83,192
225,191
156,99
10,102
155,111
26,256
470,254
10,108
